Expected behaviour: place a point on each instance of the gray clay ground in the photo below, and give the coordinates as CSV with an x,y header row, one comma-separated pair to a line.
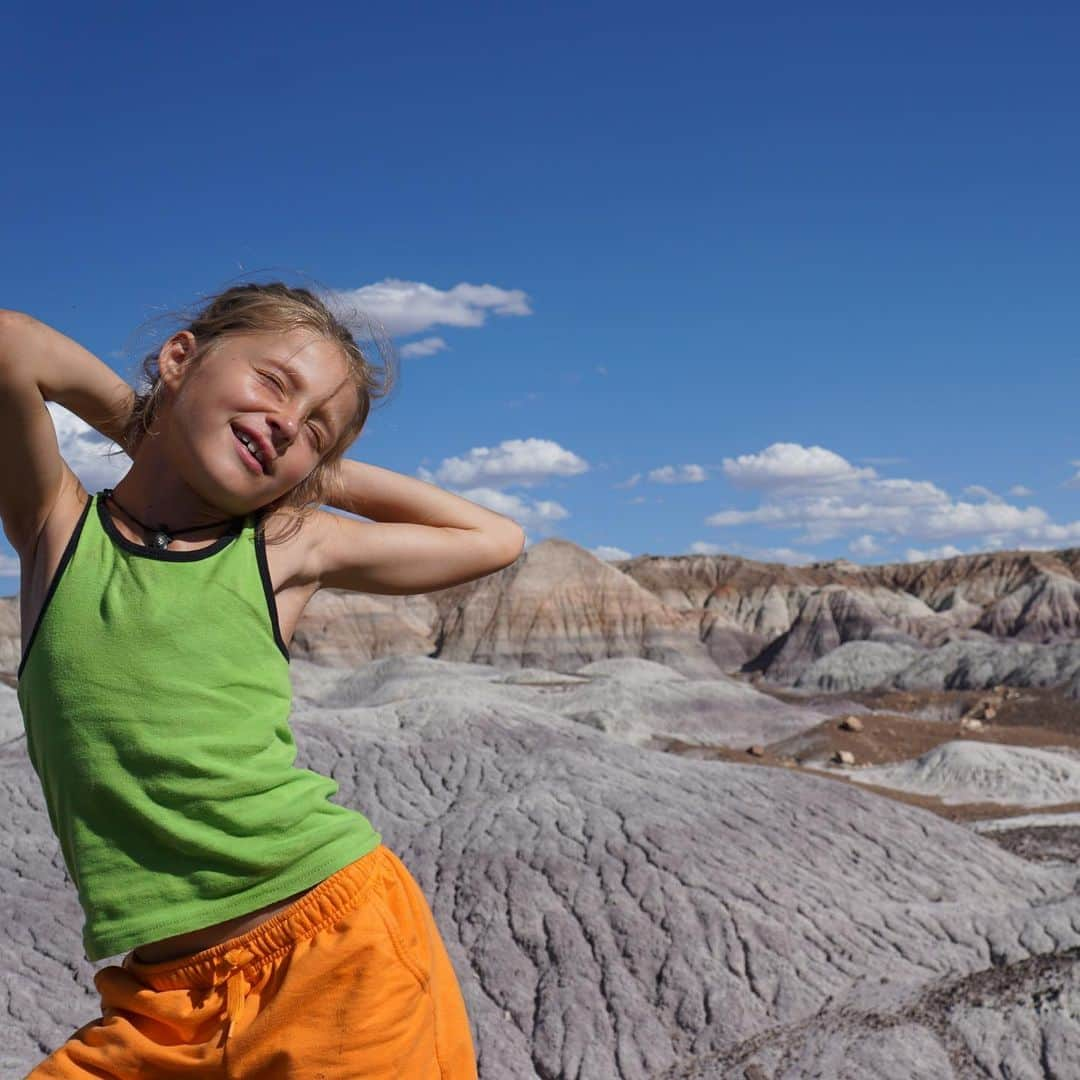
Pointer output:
x,y
619,912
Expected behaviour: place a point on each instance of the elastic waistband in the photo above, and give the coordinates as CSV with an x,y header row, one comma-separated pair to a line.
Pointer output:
x,y
323,906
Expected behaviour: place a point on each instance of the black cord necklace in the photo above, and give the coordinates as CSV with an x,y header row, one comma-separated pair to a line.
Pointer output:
x,y
163,537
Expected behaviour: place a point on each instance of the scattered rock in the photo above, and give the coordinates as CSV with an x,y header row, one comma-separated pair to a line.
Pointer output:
x,y
851,723
970,723
844,757
756,750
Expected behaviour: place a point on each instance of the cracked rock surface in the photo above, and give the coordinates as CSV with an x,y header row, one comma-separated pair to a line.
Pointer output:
x,y
614,911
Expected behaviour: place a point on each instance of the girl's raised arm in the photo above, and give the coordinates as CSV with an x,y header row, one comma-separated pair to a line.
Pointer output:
x,y
39,364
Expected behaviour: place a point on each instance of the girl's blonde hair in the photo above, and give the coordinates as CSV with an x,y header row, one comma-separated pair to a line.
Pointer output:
x,y
253,308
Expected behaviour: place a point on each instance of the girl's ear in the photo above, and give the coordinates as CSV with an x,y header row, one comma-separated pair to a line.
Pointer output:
x,y
174,357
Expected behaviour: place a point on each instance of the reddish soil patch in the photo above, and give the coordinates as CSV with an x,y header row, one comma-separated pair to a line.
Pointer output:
x,y
1040,718
1030,707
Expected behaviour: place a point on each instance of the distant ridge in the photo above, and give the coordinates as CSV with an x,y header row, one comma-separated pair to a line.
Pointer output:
x,y
560,607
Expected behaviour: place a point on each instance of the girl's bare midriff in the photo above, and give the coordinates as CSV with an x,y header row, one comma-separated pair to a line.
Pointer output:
x,y
196,940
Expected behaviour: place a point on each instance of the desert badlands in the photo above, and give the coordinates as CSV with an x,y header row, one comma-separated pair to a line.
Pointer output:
x,y
684,817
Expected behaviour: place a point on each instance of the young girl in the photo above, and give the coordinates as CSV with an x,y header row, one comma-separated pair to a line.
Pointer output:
x,y
268,931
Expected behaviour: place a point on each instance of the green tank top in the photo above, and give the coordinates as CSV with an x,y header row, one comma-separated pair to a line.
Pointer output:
x,y
155,695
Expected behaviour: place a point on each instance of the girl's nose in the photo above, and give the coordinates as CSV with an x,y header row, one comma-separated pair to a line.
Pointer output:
x,y
285,426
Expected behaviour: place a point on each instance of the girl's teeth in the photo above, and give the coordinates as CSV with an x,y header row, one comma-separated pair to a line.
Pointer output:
x,y
252,449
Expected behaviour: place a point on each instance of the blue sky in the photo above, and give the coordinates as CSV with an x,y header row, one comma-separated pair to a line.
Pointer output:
x,y
794,288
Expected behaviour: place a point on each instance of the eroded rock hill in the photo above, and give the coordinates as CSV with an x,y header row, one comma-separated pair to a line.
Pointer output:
x,y
559,607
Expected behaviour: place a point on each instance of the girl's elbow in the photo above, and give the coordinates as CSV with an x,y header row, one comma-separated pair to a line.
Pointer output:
x,y
511,545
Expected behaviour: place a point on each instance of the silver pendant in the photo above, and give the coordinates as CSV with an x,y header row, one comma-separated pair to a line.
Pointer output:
x,y
161,540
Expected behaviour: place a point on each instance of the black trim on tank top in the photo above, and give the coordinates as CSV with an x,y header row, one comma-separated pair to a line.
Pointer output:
x,y
118,538
268,588
69,551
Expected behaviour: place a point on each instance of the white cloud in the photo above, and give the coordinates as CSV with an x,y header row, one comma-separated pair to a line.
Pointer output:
x,y
424,347
411,307
865,545
538,513
637,499
610,554
1061,534
816,490
677,474
977,491
789,464
973,518
782,555
84,450
1075,481
907,493
513,461
761,554
764,515
1020,492
629,483
481,475
945,551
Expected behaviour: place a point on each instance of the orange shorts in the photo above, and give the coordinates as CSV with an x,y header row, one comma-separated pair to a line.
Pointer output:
x,y
350,982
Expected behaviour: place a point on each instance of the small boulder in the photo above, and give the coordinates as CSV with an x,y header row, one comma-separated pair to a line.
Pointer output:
x,y
756,750
969,723
851,723
844,757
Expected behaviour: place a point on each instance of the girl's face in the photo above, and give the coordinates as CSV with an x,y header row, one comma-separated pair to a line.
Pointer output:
x,y
287,395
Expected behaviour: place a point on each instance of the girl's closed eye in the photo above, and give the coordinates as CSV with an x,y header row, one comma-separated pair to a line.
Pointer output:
x,y
273,379
315,436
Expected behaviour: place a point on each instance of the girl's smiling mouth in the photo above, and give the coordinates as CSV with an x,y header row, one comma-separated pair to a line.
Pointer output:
x,y
249,459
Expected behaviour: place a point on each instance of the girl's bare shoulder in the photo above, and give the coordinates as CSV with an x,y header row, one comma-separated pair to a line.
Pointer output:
x,y
291,542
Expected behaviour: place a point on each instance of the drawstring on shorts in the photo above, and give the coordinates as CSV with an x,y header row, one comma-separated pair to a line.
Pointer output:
x,y
236,987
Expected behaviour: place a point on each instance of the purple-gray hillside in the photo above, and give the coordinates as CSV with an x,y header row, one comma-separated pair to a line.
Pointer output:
x,y
789,618
959,665
637,701
614,911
